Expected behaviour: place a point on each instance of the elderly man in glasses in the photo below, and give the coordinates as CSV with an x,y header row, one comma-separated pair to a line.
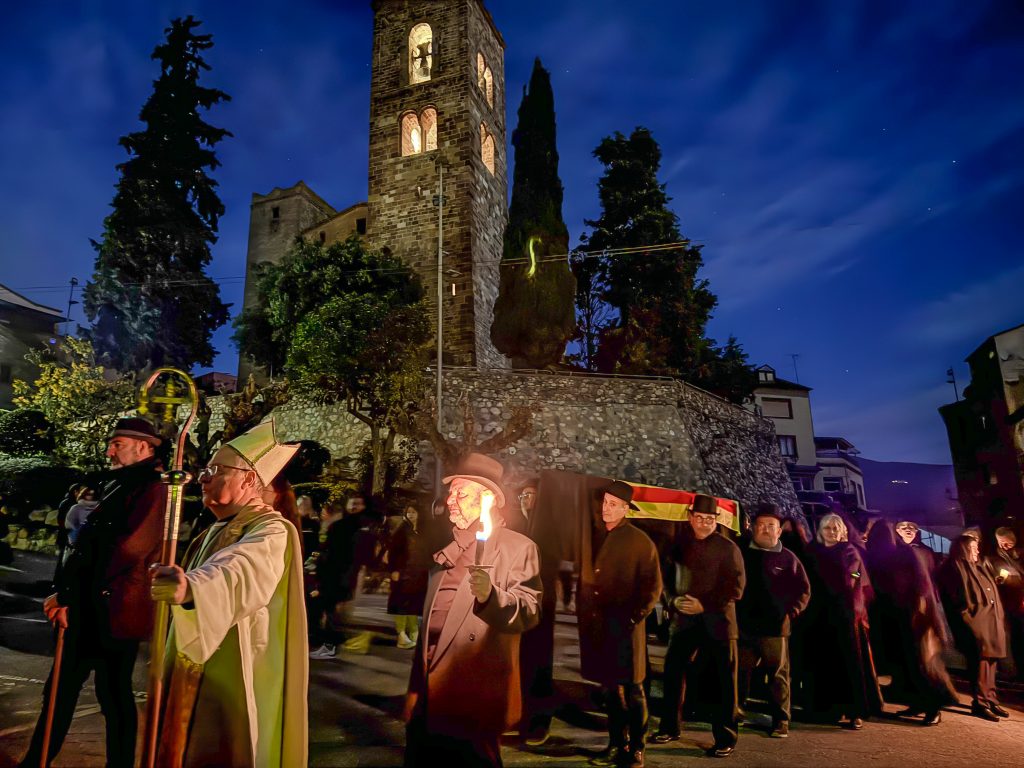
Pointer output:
x,y
708,581
236,661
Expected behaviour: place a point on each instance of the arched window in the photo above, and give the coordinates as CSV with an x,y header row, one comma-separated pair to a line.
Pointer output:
x,y
428,124
487,147
412,135
419,132
484,78
421,53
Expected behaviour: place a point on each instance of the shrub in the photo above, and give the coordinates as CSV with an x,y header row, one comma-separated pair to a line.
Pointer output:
x,y
25,431
32,482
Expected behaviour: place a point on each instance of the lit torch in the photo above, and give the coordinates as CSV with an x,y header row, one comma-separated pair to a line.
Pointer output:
x,y
486,502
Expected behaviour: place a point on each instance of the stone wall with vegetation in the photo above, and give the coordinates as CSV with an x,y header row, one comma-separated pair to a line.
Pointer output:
x,y
656,431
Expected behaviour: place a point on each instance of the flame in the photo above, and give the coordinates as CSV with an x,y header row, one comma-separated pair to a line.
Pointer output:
x,y
486,502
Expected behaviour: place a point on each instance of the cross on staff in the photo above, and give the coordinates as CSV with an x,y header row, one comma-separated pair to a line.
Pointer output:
x,y
176,478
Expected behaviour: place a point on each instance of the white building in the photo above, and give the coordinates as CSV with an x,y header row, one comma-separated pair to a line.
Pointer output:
x,y
825,464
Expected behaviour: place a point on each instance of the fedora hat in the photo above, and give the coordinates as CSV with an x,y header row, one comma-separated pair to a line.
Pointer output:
x,y
768,509
704,505
484,470
137,429
621,490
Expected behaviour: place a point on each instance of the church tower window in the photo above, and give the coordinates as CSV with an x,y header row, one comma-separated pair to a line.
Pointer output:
x,y
419,132
421,53
484,78
487,147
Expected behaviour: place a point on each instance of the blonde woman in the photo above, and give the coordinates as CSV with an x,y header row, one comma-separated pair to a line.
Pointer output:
x,y
840,594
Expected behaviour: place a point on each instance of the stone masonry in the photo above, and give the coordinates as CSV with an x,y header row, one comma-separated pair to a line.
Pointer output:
x,y
403,216
656,431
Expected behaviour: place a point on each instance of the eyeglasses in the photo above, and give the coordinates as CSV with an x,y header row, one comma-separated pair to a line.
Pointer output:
x,y
704,519
206,473
526,495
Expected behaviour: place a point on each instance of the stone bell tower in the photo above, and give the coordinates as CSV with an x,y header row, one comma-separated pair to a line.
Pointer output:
x,y
437,108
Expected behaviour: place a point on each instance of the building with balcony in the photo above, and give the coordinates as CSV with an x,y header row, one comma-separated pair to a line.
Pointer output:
x,y
986,432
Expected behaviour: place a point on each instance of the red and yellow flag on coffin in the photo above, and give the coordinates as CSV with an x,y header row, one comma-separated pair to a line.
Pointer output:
x,y
668,504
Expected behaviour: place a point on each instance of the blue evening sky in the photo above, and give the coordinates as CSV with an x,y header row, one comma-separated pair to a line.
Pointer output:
x,y
855,170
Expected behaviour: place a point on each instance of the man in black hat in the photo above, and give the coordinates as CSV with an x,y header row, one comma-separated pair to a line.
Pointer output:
x,y
484,592
102,596
612,604
709,579
777,591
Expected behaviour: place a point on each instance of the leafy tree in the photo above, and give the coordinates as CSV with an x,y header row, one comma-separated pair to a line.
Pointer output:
x,y
25,432
79,398
593,314
354,325
661,307
728,372
150,301
533,315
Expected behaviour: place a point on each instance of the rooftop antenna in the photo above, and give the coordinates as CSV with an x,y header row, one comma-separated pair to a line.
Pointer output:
x,y
796,370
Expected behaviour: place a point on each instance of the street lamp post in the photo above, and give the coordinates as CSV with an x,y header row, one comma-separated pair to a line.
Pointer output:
x,y
439,201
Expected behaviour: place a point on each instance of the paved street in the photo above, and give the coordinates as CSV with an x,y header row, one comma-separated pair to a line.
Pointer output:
x,y
355,701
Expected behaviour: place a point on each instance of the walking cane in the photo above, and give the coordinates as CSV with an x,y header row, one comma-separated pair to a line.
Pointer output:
x,y
175,479
51,705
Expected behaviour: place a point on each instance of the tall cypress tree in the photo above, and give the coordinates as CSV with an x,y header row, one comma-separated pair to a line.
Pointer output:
x,y
150,301
533,316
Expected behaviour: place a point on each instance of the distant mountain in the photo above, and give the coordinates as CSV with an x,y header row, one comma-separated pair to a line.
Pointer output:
x,y
925,493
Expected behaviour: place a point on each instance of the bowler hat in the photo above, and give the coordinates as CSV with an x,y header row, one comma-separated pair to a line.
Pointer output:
x,y
768,509
484,470
623,491
137,429
704,505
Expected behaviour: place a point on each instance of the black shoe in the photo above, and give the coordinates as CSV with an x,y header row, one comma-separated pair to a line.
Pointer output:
x,y
613,756
636,759
664,738
780,730
716,751
997,710
856,723
932,718
984,713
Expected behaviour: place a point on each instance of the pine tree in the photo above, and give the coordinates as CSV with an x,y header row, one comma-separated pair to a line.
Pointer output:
x,y
660,306
533,316
150,301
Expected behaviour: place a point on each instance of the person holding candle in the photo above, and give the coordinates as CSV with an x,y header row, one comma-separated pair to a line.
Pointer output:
x,y
1009,569
484,592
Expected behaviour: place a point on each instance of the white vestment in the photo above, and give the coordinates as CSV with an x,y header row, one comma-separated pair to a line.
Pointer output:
x,y
247,628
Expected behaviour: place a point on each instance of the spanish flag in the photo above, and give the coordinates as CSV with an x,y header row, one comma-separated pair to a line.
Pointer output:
x,y
668,504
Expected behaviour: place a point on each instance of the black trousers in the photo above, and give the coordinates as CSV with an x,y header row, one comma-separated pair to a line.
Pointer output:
x,y
425,750
683,646
627,716
770,655
112,662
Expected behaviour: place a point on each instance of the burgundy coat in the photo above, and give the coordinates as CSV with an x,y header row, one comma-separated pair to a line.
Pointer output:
x,y
471,685
106,574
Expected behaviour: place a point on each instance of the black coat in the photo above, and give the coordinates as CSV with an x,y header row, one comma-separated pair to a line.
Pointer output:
x,y
612,606
777,591
973,606
406,558
711,570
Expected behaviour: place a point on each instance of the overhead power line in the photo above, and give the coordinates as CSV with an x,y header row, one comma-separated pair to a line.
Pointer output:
x,y
634,250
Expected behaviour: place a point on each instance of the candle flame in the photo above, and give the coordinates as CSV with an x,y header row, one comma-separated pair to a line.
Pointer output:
x,y
486,502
